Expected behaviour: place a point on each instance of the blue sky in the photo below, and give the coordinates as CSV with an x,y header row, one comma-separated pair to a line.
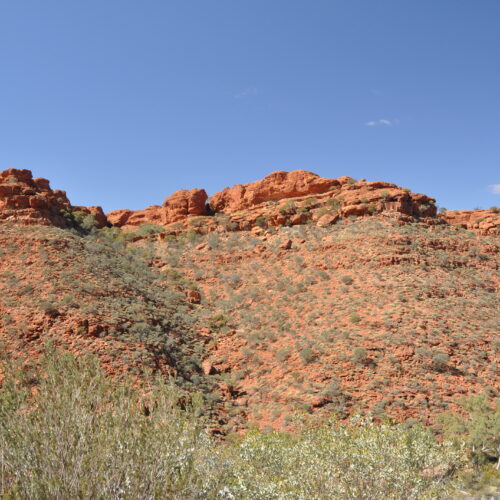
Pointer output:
x,y
123,102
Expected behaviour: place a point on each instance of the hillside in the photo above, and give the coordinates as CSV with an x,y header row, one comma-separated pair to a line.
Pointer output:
x,y
371,315
294,296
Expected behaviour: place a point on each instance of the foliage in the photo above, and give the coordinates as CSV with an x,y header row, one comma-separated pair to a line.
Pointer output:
x,y
337,461
81,435
148,228
479,429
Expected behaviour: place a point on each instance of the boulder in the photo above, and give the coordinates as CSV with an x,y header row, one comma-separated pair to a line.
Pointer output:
x,y
184,203
327,220
286,245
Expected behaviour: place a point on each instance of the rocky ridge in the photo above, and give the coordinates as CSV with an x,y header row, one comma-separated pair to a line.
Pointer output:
x,y
280,199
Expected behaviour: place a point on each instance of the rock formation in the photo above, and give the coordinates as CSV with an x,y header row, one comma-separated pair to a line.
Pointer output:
x,y
275,186
179,206
484,222
32,201
183,204
282,198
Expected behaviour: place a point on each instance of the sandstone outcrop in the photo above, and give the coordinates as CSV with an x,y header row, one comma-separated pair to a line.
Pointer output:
x,y
294,198
484,222
29,200
179,206
365,198
280,199
32,201
100,217
275,186
184,203
125,217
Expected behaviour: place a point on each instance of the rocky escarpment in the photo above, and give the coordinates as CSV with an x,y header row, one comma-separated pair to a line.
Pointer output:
x,y
280,199
274,187
354,198
26,200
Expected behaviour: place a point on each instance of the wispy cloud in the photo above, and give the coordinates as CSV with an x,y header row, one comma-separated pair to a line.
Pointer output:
x,y
248,92
378,123
495,188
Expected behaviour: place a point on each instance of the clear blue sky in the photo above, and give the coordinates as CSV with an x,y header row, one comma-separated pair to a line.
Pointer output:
x,y
123,102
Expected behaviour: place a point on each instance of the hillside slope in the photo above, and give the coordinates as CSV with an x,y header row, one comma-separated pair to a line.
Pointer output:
x,y
293,296
90,294
372,315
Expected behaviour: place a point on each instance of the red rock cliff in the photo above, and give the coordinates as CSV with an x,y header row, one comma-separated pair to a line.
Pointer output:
x,y
32,201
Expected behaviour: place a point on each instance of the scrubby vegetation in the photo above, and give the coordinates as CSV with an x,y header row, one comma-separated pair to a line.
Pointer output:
x,y
80,435
401,317
335,334
94,290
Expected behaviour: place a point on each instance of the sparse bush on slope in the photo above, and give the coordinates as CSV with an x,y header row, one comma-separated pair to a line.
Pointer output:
x,y
93,289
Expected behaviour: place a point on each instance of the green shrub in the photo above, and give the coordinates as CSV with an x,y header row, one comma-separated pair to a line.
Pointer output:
x,y
359,355
307,355
478,429
334,204
261,221
282,355
82,435
148,228
341,462
354,318
440,360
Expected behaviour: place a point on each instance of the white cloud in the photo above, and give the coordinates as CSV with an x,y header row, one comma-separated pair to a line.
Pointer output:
x,y
377,123
495,188
249,91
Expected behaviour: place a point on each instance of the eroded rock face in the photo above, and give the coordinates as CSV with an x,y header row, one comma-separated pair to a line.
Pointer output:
x,y
281,198
351,198
366,198
32,201
484,222
98,214
179,206
119,218
150,215
275,186
184,203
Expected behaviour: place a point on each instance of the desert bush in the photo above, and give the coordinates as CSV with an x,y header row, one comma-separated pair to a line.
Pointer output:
x,y
341,462
307,355
354,318
147,228
478,429
81,435
359,355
